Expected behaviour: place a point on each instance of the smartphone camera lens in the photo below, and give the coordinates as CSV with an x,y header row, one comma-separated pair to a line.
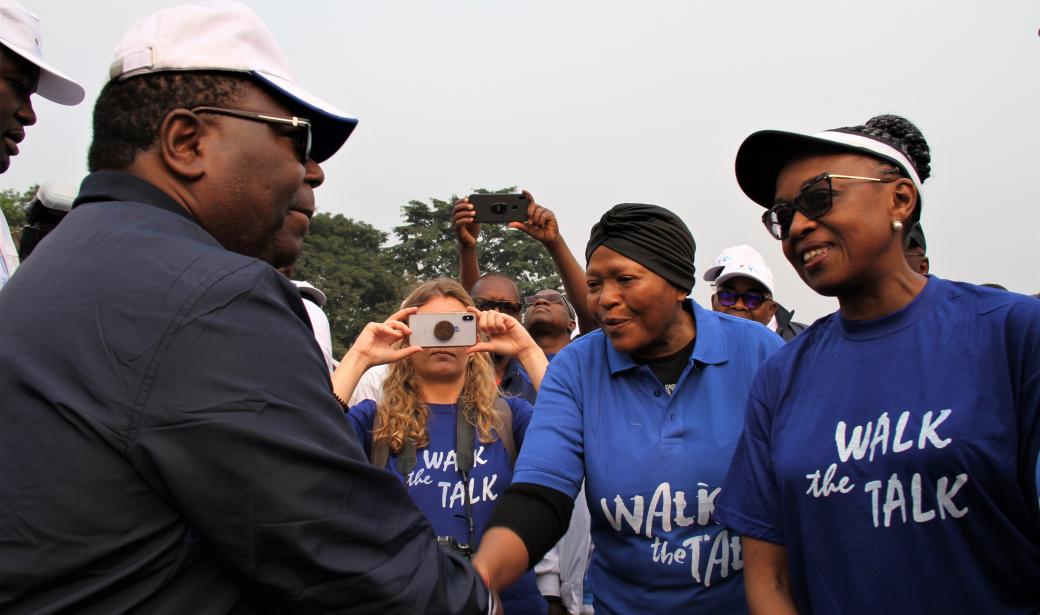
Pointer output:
x,y
498,208
467,317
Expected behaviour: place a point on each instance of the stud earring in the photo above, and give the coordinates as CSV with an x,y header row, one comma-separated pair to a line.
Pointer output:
x,y
897,226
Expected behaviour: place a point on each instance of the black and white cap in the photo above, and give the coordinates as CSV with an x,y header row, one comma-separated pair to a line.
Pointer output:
x,y
763,155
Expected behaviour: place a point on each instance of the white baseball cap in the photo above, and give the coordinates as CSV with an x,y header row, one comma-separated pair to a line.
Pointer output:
x,y
740,261
20,34
226,35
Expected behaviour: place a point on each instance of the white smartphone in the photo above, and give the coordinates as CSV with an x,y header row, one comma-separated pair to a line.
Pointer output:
x,y
443,329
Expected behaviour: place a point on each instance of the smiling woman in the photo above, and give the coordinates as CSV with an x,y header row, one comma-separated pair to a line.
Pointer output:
x,y
894,443
645,412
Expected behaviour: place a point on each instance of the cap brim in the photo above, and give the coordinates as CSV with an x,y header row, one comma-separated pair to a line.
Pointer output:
x,y
53,84
743,274
330,126
763,155
713,272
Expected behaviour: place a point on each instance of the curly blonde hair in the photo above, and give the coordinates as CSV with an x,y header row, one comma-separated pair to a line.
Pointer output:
x,y
402,414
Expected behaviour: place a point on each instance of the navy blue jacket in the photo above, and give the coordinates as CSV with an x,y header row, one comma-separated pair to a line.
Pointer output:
x,y
170,442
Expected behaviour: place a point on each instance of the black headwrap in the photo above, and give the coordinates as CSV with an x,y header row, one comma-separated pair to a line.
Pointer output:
x,y
651,236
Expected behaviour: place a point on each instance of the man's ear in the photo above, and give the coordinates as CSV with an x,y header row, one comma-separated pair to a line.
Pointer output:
x,y
571,325
181,143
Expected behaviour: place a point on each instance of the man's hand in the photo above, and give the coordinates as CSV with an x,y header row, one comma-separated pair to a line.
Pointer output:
x,y
463,227
541,223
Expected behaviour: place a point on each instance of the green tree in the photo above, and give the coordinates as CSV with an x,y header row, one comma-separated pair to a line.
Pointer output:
x,y
347,260
15,207
426,248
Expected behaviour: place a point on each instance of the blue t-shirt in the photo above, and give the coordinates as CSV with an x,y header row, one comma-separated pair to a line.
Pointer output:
x,y
437,488
895,458
652,464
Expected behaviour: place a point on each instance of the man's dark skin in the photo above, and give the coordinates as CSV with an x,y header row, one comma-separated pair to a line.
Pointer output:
x,y
18,80
238,178
549,321
497,288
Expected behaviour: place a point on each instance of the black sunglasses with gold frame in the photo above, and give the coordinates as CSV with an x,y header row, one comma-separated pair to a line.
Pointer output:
x,y
301,137
814,201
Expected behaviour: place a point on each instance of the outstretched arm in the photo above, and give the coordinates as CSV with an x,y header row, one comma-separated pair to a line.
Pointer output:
x,y
466,232
542,225
373,347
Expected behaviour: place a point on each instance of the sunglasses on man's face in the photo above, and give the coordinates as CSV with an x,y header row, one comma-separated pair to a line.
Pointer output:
x,y
298,128
507,307
752,301
556,298
813,201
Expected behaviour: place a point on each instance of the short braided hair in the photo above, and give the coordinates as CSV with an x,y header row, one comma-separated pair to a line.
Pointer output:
x,y
128,112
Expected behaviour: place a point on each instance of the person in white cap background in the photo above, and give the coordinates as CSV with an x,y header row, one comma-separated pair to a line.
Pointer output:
x,y
744,288
173,444
22,74
889,452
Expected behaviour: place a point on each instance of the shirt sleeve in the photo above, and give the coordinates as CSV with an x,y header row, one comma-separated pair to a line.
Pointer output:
x,y
553,454
238,428
750,500
362,418
522,411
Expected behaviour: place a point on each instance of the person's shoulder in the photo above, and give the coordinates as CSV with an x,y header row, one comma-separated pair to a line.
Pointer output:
x,y
987,299
363,412
746,331
787,353
518,405
584,345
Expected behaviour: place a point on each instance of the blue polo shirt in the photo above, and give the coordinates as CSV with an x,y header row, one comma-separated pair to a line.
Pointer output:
x,y
653,465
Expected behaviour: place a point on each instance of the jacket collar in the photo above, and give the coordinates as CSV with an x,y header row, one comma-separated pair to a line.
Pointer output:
x,y
103,186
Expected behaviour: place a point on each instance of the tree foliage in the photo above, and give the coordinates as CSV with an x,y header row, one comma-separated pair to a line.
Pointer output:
x,y
15,207
347,260
426,248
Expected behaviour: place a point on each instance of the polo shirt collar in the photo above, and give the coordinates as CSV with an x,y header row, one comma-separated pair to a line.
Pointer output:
x,y
103,186
710,348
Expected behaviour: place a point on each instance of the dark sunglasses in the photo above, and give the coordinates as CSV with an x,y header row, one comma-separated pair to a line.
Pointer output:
x,y
486,305
752,301
547,297
814,200
301,137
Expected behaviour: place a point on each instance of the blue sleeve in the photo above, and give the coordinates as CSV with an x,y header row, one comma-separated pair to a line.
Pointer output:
x,y
554,449
749,502
362,418
522,411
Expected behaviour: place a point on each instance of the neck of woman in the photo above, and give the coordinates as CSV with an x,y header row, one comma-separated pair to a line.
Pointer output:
x,y
440,391
892,289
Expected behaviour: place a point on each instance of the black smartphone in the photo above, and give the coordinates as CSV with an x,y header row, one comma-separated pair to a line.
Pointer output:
x,y
499,208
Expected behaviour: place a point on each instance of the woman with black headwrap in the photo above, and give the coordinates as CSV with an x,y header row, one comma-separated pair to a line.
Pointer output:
x,y
647,411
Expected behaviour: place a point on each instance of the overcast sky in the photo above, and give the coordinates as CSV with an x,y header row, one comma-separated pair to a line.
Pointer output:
x,y
592,103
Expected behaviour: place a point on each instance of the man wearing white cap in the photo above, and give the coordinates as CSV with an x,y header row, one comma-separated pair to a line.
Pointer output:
x,y
744,288
171,442
22,73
